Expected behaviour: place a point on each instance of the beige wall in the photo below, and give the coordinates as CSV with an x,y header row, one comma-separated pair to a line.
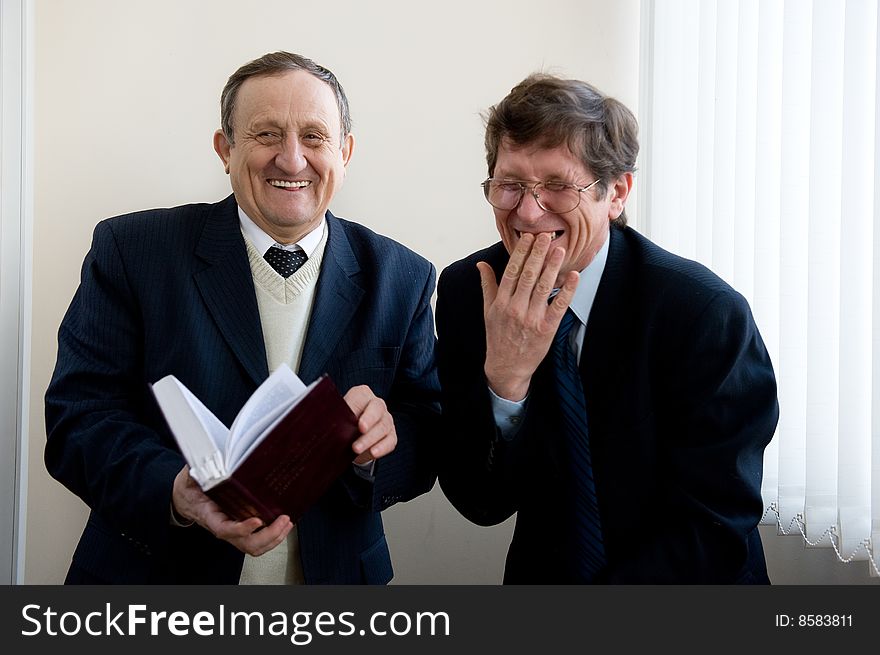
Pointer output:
x,y
126,104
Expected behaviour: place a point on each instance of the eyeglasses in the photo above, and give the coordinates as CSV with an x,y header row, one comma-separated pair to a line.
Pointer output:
x,y
553,197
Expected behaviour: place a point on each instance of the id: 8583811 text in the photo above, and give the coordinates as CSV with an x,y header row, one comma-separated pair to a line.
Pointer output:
x,y
814,620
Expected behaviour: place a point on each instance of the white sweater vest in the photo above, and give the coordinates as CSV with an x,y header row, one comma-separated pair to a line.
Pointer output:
x,y
285,307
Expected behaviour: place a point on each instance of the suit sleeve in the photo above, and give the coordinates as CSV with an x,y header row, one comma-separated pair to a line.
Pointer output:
x,y
479,469
414,402
99,443
718,413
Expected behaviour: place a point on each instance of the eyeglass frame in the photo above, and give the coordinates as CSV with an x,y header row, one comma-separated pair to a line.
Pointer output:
x,y
533,188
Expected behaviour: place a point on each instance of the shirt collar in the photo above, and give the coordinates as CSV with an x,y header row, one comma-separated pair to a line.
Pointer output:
x,y
262,241
585,293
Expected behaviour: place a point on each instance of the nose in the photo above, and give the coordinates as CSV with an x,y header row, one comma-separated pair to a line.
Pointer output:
x,y
291,157
528,208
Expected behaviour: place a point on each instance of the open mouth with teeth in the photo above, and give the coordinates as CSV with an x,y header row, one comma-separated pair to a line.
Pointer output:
x,y
553,235
285,184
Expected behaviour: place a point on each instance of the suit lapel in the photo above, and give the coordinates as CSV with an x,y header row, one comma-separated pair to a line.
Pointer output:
x,y
336,300
227,287
608,333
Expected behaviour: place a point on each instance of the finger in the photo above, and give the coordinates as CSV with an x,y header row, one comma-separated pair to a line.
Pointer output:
x,y
372,414
384,446
488,285
211,508
547,280
223,527
268,538
563,299
378,443
513,270
377,431
358,398
274,544
532,268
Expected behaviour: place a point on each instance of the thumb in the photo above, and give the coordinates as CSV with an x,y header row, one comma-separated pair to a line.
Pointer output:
x,y
488,284
357,398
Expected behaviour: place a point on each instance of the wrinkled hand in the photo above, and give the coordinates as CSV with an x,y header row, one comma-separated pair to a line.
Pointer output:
x,y
520,325
192,503
378,436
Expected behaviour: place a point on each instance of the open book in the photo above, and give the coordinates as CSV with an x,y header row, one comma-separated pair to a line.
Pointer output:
x,y
287,445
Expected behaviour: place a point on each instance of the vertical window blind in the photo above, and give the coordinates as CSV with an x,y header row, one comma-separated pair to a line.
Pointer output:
x,y
761,159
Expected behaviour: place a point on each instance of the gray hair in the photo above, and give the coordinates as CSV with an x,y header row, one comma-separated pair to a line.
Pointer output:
x,y
277,63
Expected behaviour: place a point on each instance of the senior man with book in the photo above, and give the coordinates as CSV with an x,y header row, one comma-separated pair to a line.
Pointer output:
x,y
218,296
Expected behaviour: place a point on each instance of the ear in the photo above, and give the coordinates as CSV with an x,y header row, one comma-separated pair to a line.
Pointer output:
x,y
347,149
618,193
222,148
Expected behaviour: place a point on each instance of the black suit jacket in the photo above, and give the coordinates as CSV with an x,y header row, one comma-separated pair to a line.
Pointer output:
x,y
681,401
171,291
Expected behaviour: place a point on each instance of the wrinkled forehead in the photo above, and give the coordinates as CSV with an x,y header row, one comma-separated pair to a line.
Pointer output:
x,y
539,157
285,95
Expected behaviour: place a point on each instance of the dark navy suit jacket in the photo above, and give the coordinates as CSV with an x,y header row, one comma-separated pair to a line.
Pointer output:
x,y
681,401
171,291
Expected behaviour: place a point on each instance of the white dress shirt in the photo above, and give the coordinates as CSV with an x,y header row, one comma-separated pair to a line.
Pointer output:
x,y
262,241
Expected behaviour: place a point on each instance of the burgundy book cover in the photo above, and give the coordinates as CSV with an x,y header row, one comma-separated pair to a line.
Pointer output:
x,y
296,463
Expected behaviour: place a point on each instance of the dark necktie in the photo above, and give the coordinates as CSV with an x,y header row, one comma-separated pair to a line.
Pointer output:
x,y
285,262
589,549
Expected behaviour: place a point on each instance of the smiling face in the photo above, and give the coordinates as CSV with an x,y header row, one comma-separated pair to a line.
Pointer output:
x,y
582,231
286,162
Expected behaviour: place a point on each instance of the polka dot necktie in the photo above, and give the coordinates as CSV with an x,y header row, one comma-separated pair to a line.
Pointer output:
x,y
285,262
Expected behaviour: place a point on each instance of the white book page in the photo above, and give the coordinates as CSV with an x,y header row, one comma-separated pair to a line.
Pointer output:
x,y
270,401
218,432
200,435
231,465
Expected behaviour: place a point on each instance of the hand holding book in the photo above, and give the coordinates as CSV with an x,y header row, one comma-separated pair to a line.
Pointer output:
x,y
285,448
251,536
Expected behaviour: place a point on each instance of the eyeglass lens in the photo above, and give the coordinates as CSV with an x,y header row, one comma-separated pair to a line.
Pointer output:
x,y
552,197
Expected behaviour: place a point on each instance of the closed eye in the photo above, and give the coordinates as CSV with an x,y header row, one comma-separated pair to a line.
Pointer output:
x,y
314,138
268,137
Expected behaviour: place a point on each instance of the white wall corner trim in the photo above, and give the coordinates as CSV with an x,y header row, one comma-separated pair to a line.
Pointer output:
x,y
646,94
16,236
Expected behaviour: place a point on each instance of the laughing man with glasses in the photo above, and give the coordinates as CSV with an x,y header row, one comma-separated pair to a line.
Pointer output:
x,y
616,397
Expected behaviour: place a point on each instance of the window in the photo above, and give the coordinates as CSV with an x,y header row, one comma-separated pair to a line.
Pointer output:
x,y
760,159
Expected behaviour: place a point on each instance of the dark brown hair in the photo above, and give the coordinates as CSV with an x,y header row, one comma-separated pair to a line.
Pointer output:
x,y
548,111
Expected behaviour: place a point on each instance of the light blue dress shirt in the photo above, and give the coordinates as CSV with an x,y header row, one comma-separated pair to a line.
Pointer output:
x,y
508,414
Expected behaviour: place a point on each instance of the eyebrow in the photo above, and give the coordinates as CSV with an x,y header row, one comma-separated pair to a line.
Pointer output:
x,y
316,126
263,123
308,124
